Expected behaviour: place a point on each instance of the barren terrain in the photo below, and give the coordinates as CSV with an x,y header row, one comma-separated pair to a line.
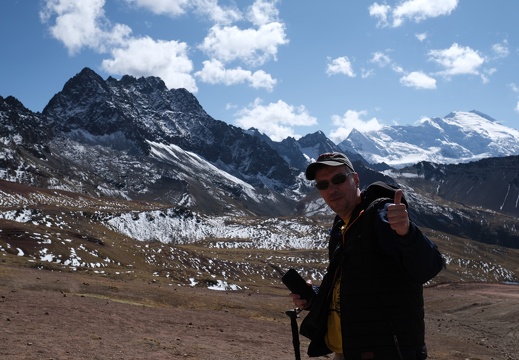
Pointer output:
x,y
70,315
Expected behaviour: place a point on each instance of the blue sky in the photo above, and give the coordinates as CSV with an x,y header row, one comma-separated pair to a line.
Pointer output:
x,y
287,67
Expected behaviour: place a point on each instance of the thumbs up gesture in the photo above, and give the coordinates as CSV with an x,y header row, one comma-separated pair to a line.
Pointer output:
x,y
397,215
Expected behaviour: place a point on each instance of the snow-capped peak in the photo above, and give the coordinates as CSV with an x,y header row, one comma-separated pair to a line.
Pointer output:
x,y
457,137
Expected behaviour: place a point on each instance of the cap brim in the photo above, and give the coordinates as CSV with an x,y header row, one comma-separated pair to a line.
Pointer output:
x,y
312,168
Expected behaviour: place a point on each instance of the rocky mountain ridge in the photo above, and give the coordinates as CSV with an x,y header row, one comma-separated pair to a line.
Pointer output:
x,y
133,112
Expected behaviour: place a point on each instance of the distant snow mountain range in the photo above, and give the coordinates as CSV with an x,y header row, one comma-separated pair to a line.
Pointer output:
x,y
129,113
459,137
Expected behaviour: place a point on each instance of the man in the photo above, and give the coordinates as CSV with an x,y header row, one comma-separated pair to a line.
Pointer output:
x,y
370,302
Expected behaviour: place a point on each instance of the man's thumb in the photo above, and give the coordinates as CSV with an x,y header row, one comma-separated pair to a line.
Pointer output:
x,y
398,197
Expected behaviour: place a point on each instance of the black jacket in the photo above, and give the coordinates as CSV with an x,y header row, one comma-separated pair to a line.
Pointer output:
x,y
382,276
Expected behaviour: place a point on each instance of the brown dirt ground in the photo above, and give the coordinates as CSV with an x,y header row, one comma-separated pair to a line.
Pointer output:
x,y
60,315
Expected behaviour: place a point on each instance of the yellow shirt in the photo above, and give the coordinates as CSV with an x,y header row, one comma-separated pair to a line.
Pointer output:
x,y
333,337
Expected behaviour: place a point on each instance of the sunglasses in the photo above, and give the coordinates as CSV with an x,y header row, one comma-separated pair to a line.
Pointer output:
x,y
336,180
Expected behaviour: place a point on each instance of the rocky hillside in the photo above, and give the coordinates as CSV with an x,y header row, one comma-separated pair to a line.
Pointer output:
x,y
65,231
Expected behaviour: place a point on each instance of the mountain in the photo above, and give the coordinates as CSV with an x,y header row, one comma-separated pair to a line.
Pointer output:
x,y
135,140
477,200
133,114
457,138
493,182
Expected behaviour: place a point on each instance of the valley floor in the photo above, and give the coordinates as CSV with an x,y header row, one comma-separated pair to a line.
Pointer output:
x,y
65,315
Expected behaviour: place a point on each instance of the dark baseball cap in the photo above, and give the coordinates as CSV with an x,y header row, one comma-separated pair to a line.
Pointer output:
x,y
328,159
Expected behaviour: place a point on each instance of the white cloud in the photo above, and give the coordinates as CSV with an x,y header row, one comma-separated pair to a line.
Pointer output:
x,y
168,7
147,57
418,80
340,65
79,24
263,12
421,37
515,89
419,10
501,49
276,120
415,10
380,59
214,72
457,60
398,69
352,120
254,46
486,73
216,13
230,106
367,73
381,12
83,24
175,8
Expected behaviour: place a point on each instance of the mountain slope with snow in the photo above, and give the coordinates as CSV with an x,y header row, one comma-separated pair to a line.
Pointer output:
x,y
126,114
118,238
457,138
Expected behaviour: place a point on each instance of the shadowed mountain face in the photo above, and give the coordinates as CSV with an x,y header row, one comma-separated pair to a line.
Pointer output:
x,y
491,183
139,111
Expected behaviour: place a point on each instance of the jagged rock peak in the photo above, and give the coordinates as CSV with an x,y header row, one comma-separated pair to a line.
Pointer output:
x,y
312,139
315,144
12,103
87,87
85,76
147,84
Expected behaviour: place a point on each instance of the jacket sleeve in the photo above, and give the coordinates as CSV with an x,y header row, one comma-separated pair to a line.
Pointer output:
x,y
418,256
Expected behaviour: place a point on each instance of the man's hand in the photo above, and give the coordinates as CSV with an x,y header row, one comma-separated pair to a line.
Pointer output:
x,y
298,302
397,215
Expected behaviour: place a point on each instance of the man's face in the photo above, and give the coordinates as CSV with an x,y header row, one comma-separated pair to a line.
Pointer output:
x,y
341,198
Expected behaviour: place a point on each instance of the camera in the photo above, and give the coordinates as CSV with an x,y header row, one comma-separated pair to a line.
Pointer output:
x,y
297,285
